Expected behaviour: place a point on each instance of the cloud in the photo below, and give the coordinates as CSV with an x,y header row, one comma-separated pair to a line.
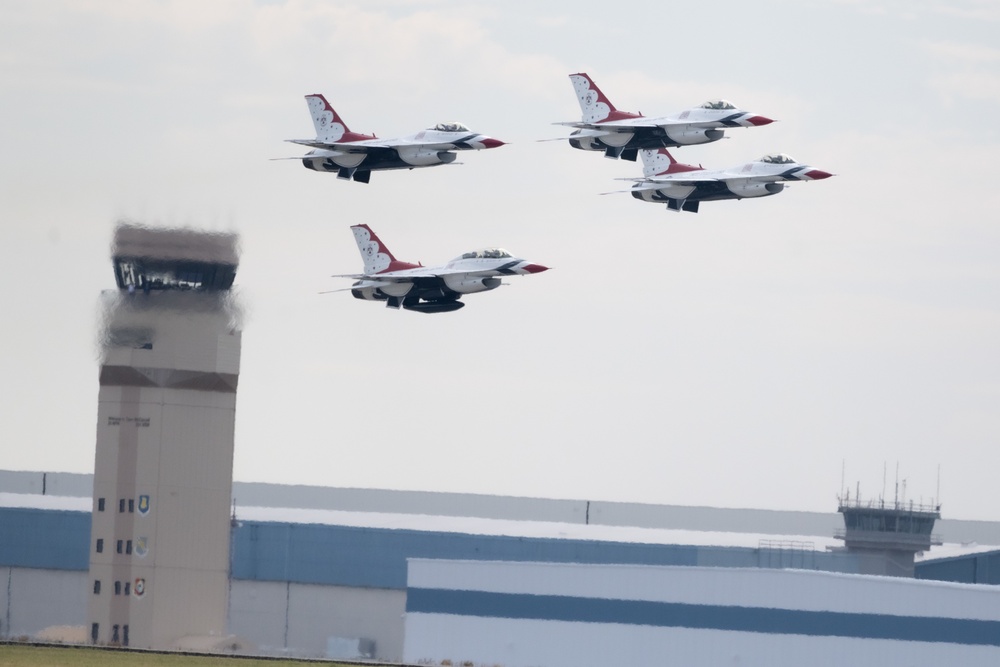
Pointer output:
x,y
965,71
974,86
974,54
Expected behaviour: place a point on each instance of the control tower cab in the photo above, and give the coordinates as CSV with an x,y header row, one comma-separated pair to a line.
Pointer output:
x,y
147,259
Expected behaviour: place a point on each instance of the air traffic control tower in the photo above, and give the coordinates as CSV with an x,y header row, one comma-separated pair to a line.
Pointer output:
x,y
885,536
170,359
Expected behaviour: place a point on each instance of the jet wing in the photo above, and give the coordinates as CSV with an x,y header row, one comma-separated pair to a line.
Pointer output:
x,y
688,179
631,125
424,274
601,129
344,148
378,281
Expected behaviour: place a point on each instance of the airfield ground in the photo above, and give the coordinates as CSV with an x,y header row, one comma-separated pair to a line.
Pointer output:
x,y
27,655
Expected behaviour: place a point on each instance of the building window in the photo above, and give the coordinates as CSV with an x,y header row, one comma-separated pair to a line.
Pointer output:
x,y
128,547
97,588
118,590
114,634
121,504
128,589
100,545
94,629
100,508
131,504
118,546
125,635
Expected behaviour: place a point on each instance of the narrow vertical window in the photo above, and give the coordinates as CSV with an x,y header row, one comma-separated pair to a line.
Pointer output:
x,y
125,635
121,504
97,588
100,545
100,508
118,588
128,589
118,546
114,634
94,629
128,547
131,504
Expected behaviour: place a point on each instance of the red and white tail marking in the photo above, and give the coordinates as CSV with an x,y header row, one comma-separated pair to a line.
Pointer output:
x,y
594,104
660,162
329,125
375,255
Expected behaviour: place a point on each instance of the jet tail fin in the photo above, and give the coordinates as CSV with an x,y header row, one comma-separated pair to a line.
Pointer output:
x,y
330,127
659,162
377,258
328,123
594,104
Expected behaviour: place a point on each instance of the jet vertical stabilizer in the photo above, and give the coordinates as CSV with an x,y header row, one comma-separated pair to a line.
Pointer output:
x,y
376,256
594,104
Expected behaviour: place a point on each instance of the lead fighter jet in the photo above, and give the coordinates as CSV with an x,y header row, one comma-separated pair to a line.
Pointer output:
x,y
683,186
429,289
352,155
622,133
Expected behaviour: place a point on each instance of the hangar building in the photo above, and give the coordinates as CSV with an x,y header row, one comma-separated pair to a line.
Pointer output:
x,y
322,577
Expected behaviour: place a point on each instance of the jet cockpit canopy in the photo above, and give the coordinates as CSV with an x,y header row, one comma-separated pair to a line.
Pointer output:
x,y
487,253
778,158
449,127
718,104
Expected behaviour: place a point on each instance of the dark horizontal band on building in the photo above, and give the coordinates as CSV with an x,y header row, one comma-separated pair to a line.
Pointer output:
x,y
127,376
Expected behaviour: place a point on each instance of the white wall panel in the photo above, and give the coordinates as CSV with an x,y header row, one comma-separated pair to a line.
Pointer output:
x,y
40,599
258,612
741,617
525,643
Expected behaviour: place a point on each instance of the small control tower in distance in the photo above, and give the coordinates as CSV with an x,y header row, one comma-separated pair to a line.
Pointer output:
x,y
170,357
887,536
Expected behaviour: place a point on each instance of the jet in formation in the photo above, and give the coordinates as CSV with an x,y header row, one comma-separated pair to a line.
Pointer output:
x,y
683,186
355,156
622,133
429,289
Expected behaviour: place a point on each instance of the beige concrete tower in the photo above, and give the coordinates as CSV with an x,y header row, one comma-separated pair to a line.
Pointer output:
x,y
159,552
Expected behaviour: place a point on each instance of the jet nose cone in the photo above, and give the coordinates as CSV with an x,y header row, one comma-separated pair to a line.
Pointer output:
x,y
818,174
759,120
534,268
489,142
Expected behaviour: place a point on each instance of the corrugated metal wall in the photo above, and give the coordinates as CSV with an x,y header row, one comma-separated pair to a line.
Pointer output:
x,y
376,557
981,568
48,539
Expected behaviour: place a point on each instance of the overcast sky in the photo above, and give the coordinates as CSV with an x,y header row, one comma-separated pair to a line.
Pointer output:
x,y
740,357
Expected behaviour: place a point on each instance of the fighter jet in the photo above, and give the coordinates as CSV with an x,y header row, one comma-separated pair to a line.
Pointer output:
x,y
429,289
683,186
621,133
353,155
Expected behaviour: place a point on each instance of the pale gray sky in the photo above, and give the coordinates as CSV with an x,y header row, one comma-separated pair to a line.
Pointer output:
x,y
737,357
